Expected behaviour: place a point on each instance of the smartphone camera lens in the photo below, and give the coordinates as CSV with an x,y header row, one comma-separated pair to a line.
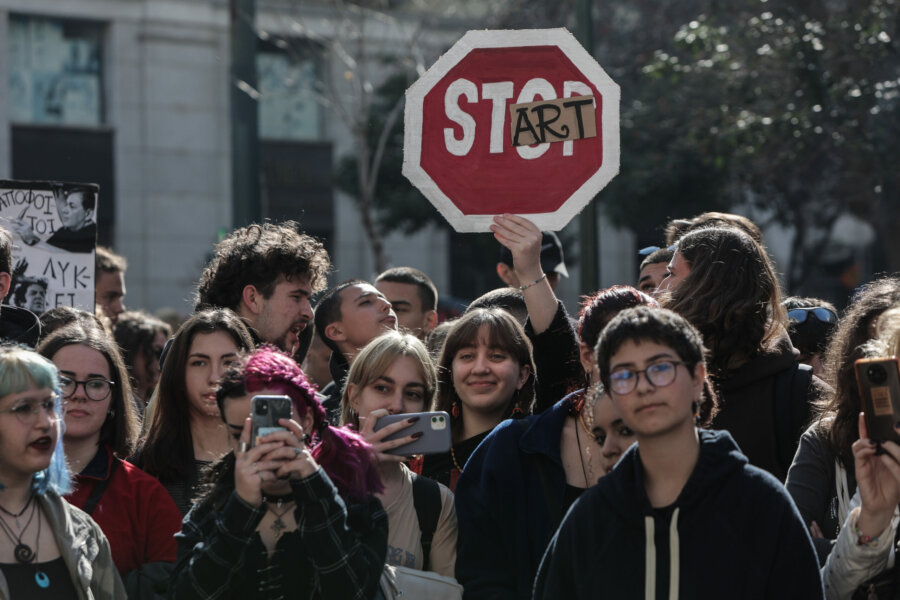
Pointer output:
x,y
877,374
262,408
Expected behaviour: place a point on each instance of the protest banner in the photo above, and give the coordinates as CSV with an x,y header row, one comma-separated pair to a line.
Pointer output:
x,y
54,234
522,122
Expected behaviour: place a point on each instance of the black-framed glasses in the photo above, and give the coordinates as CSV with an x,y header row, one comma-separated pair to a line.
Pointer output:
x,y
28,409
95,388
659,374
799,315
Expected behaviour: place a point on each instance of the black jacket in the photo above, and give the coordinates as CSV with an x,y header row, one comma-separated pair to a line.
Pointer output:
x,y
747,406
19,326
732,533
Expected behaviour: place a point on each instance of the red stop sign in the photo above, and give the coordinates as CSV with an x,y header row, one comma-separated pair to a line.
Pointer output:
x,y
458,146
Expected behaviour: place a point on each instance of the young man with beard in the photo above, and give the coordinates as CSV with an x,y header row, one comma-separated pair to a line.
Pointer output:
x,y
267,273
682,514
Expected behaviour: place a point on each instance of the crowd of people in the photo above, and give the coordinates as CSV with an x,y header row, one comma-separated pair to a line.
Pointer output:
x,y
689,434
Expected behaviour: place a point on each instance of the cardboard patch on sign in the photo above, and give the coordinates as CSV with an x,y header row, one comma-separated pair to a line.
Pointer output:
x,y
558,120
54,230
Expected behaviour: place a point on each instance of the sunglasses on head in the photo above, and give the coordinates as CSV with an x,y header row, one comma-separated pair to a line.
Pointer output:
x,y
651,249
799,315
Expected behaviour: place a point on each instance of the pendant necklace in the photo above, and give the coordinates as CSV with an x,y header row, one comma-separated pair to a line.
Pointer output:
x,y
23,552
20,513
278,525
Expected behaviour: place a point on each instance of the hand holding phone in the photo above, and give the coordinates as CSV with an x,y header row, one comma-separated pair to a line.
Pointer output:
x,y
430,433
264,414
879,390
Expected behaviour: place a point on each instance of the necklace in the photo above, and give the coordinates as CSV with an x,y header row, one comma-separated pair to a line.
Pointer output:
x,y
453,456
278,525
23,552
587,482
20,513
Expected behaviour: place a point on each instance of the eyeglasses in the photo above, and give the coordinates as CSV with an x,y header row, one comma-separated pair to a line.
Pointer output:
x,y
27,410
822,314
659,374
96,388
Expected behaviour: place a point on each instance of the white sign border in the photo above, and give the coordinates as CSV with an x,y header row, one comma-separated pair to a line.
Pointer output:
x,y
486,38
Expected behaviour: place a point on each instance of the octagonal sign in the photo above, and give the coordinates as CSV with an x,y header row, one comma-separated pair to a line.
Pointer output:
x,y
470,117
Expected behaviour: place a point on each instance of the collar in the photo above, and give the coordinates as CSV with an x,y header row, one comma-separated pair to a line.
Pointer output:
x,y
100,465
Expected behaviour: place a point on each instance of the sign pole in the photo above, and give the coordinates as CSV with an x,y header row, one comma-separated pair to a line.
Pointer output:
x,y
244,116
587,220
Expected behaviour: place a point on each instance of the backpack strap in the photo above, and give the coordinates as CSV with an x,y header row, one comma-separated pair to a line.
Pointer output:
x,y
428,505
792,410
101,486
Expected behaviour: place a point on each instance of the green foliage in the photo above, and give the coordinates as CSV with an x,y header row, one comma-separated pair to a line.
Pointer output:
x,y
399,205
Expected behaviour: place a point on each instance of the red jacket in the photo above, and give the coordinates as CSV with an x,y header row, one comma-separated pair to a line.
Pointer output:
x,y
135,512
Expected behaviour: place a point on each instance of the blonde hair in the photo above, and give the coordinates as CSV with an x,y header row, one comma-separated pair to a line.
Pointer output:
x,y
376,358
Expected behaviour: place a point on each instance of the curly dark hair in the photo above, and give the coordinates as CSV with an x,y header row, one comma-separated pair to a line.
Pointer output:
x,y
731,295
260,255
839,410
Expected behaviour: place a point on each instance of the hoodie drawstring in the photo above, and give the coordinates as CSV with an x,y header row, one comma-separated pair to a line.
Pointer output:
x,y
674,556
650,558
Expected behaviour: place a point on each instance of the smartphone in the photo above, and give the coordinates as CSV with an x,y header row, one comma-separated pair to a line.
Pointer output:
x,y
434,427
879,390
264,414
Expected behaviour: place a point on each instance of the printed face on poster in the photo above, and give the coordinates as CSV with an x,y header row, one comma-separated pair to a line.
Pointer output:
x,y
53,227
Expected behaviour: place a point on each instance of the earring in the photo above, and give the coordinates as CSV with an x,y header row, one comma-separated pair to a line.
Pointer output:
x,y
517,412
454,409
695,408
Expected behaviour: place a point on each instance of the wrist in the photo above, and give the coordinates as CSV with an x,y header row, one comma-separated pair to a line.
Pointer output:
x,y
531,282
871,525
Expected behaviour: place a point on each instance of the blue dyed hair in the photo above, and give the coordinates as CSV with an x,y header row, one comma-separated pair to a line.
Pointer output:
x,y
20,370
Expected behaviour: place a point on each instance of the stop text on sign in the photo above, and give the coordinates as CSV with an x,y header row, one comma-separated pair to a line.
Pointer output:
x,y
499,94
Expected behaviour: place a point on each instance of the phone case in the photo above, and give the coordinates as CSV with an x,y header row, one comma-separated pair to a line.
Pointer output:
x,y
879,389
435,429
264,414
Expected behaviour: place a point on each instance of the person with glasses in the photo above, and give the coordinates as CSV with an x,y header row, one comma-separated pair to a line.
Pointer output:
x,y
50,548
683,514
810,324
723,282
141,338
132,508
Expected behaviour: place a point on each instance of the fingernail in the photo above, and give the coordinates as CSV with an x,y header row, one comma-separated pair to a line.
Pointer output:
x,y
417,435
412,419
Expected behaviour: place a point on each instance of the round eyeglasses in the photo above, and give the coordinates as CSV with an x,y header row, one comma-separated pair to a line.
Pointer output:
x,y
27,410
799,315
95,388
659,374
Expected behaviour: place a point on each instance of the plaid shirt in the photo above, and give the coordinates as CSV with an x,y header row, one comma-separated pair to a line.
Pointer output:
x,y
336,552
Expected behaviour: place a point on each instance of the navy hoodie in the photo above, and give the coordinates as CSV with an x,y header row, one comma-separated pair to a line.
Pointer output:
x,y
732,533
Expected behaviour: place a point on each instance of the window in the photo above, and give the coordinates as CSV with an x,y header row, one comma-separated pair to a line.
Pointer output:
x,y
288,73
55,71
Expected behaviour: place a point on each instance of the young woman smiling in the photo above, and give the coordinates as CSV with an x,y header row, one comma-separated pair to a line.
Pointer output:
x,y
487,375
186,432
394,374
52,549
